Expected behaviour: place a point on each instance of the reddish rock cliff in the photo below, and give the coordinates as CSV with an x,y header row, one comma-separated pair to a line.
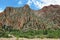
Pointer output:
x,y
24,17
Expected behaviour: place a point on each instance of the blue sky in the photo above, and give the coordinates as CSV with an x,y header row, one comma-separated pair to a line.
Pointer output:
x,y
34,4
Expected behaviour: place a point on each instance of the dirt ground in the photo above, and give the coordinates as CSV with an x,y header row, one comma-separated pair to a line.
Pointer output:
x,y
27,39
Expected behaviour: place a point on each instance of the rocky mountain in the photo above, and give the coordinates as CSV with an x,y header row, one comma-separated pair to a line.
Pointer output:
x,y
25,18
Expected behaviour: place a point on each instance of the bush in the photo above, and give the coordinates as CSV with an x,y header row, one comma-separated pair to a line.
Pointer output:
x,y
47,33
4,34
27,34
53,33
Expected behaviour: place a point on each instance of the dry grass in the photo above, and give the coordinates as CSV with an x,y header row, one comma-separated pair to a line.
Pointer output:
x,y
27,39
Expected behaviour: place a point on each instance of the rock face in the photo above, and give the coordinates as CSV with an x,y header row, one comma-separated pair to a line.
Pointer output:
x,y
25,18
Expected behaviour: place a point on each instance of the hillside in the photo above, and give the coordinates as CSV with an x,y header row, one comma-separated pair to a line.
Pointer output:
x,y
26,18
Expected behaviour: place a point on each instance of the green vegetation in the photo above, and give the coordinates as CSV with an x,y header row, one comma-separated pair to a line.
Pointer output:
x,y
47,33
37,33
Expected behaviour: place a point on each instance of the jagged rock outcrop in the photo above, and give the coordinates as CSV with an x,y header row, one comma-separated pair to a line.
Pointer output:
x,y
25,18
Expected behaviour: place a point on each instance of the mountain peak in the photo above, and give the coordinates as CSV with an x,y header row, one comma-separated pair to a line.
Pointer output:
x,y
26,6
50,8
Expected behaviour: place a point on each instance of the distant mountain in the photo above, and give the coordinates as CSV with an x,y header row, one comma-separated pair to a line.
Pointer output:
x,y
24,18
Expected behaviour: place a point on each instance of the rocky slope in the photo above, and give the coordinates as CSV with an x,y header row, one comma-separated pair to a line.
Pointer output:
x,y
25,18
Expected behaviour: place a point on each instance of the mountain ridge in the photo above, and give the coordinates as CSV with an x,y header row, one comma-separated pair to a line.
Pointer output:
x,y
25,18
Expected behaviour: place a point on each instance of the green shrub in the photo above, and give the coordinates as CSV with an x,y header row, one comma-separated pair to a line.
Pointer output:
x,y
47,33
53,33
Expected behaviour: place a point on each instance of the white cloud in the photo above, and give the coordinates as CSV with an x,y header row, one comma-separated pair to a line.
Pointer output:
x,y
19,2
39,4
29,2
54,2
1,10
36,3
